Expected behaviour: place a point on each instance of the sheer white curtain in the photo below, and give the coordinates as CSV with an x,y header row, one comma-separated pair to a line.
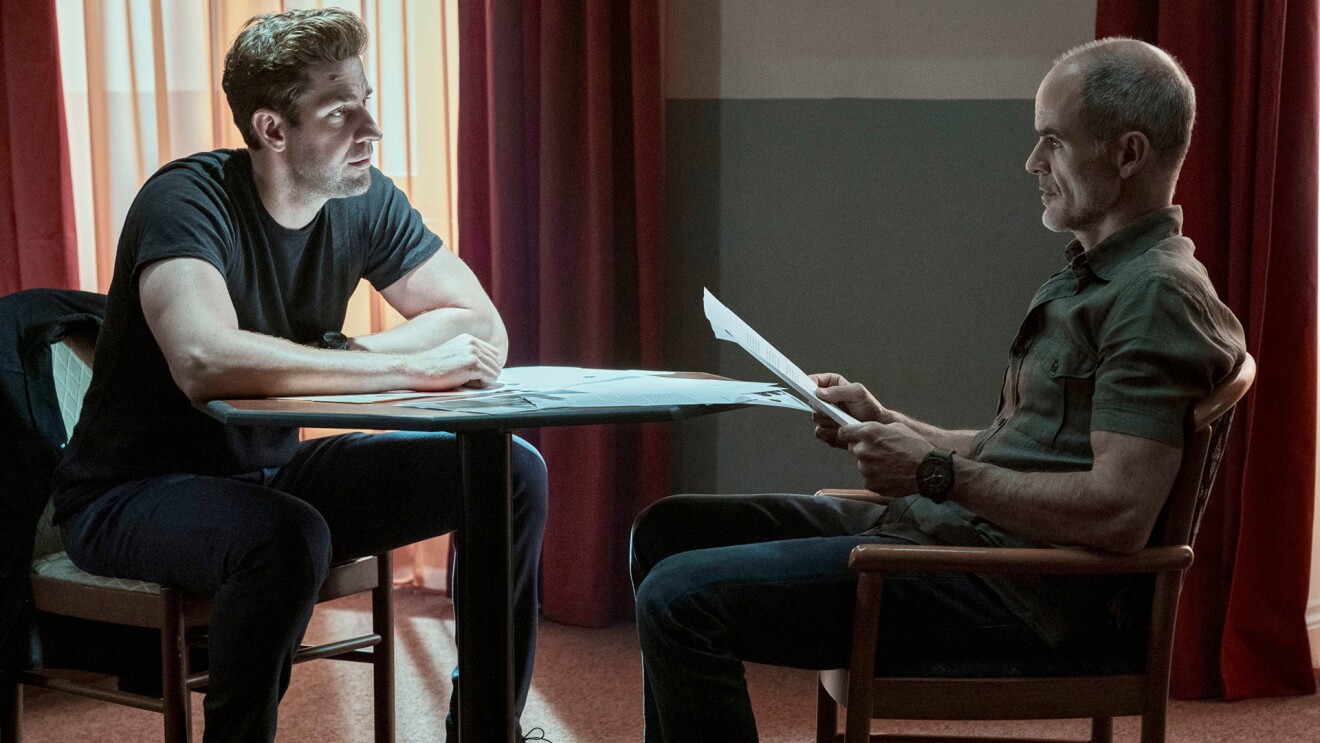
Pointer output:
x,y
142,87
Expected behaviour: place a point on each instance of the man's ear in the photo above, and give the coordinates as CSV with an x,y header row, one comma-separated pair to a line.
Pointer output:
x,y
1132,154
271,129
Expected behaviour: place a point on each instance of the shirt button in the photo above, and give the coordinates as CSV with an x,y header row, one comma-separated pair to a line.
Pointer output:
x,y
1054,366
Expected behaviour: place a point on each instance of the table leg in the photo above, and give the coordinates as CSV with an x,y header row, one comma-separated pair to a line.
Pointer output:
x,y
484,604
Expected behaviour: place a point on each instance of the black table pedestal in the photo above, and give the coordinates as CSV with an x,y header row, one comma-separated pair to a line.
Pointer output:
x,y
483,617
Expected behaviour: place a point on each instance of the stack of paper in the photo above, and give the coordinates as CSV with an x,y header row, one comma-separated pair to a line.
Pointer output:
x,y
527,388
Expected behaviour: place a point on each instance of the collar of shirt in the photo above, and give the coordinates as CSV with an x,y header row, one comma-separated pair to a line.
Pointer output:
x,y
1106,259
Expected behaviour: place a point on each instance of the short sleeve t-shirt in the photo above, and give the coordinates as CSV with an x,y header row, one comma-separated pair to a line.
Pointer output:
x,y
291,284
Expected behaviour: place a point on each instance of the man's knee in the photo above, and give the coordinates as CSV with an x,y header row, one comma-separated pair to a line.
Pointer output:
x,y
670,586
654,530
291,546
655,597
530,481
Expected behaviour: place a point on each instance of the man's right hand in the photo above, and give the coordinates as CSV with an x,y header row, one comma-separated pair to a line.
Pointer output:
x,y
462,361
853,398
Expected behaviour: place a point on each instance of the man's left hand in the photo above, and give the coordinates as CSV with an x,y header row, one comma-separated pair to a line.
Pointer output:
x,y
887,455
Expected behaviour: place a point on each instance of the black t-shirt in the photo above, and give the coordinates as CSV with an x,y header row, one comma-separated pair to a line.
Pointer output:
x,y
292,284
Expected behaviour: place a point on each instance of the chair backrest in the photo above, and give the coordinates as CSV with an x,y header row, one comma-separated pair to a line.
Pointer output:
x,y
1203,447
71,364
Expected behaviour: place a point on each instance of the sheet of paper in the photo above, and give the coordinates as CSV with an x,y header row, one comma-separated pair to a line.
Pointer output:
x,y
565,377
730,327
397,395
528,388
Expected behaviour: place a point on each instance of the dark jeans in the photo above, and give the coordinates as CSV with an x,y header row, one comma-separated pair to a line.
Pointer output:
x,y
261,545
721,580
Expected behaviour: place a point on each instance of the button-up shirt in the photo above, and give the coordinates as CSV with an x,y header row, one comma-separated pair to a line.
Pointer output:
x,y
1126,338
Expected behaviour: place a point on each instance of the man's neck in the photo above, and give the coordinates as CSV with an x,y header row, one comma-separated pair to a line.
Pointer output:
x,y
1132,206
284,202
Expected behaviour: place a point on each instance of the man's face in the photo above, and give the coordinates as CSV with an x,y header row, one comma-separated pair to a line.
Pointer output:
x,y
1079,184
330,151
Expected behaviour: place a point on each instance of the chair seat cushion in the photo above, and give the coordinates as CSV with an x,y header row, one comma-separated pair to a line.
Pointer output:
x,y
58,566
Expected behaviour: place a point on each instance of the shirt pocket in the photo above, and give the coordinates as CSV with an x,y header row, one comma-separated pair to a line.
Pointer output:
x,y
1072,370
1056,384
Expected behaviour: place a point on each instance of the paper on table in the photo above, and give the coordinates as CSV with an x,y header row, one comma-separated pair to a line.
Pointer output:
x,y
610,390
730,327
461,392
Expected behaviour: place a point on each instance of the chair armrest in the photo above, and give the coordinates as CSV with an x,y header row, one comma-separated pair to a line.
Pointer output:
x,y
862,495
889,558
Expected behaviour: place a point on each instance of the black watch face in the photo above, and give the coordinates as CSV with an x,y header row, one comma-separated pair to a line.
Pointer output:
x,y
934,478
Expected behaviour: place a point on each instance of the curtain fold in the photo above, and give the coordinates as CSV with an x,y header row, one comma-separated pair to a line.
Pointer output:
x,y
560,167
1249,193
38,246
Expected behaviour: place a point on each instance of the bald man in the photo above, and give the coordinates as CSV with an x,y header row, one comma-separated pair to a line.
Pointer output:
x,y
1083,451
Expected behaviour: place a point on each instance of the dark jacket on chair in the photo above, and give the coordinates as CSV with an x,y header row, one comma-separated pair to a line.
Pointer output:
x,y
31,438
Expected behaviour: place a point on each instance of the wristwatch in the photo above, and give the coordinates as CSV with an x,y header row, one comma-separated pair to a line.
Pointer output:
x,y
935,475
333,340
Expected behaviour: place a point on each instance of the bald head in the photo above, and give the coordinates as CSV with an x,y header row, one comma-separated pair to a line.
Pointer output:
x,y
1129,85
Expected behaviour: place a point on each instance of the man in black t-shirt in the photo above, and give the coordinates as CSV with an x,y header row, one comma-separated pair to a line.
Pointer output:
x,y
231,266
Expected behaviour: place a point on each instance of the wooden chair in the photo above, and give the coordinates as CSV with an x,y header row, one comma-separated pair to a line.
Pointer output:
x,y
1100,697
60,588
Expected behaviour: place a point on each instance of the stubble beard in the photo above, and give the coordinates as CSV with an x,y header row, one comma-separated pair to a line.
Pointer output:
x,y
1074,219
333,182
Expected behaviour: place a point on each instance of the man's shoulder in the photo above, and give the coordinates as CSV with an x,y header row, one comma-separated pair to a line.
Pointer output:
x,y
215,165
1170,261
206,179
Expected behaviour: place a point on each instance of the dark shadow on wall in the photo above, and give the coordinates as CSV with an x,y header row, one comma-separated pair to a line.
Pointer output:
x,y
692,261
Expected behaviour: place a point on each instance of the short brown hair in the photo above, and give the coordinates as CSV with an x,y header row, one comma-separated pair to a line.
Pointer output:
x,y
266,67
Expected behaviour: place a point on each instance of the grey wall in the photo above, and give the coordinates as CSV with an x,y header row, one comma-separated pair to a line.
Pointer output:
x,y
894,240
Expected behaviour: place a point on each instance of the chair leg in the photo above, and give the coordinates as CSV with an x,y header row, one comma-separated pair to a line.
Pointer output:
x,y
382,665
1102,730
827,716
174,670
1152,725
11,711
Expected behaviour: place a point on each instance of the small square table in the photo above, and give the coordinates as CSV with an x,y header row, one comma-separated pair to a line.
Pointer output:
x,y
483,612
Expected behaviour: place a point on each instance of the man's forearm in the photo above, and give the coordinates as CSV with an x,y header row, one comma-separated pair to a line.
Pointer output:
x,y
1112,506
430,329
1053,507
958,441
239,363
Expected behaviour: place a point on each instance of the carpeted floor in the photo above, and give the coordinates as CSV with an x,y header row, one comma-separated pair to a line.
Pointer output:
x,y
587,689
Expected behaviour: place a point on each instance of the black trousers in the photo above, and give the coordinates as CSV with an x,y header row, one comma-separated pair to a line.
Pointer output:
x,y
261,544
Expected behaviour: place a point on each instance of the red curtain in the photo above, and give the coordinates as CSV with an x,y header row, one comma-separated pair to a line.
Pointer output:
x,y
37,241
1249,193
559,179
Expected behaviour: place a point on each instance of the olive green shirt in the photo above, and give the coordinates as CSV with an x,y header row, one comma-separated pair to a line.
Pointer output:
x,y
1125,339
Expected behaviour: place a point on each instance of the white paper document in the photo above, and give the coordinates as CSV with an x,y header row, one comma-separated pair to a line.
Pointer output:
x,y
527,388
524,388
730,327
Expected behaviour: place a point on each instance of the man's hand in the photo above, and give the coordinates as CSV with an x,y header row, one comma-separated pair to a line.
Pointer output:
x,y
853,398
462,361
887,455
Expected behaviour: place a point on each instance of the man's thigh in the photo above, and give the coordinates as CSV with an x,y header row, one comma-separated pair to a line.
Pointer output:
x,y
386,490
791,602
188,531
681,523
